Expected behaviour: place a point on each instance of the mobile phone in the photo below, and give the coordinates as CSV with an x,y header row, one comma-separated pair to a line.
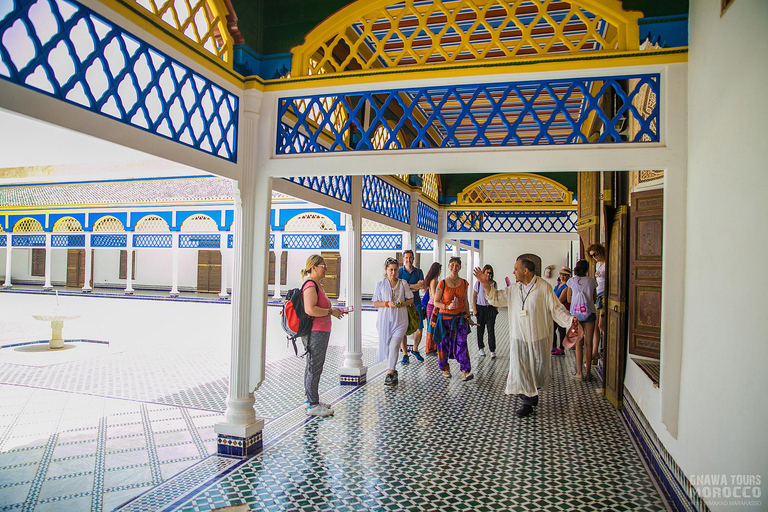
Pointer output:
x,y
506,280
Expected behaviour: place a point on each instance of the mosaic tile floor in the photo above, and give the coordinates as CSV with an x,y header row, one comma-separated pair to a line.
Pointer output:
x,y
130,426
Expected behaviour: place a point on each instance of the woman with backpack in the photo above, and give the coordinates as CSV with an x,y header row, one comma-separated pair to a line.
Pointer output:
x,y
317,305
561,291
581,295
392,296
453,321
428,304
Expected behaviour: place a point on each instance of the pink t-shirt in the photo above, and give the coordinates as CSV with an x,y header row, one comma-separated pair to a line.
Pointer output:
x,y
321,323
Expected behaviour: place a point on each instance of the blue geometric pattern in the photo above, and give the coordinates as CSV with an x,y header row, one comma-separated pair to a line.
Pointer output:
x,y
424,244
381,197
339,187
543,112
556,221
67,240
65,50
199,241
382,242
156,241
28,240
109,240
231,239
426,217
310,241
3,240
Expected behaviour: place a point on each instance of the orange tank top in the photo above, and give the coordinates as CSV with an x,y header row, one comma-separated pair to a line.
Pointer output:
x,y
449,293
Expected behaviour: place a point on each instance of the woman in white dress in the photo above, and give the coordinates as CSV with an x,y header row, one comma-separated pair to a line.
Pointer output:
x,y
391,296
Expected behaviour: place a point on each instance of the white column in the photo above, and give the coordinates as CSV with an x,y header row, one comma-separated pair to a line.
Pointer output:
x,y
47,285
88,256
442,227
249,289
223,251
353,357
414,224
278,250
129,264
455,251
8,253
175,268
345,261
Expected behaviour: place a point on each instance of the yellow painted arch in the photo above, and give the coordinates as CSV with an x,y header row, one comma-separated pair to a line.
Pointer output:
x,y
515,189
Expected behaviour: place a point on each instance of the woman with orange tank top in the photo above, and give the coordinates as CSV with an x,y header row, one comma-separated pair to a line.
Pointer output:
x,y
453,321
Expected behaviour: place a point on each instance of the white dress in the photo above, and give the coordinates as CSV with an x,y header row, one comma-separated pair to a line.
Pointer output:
x,y
391,322
530,336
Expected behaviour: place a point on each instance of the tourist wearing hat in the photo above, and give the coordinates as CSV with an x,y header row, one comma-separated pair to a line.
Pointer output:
x,y
560,291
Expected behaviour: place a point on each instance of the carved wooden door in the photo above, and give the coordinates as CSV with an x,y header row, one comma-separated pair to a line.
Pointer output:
x,y
283,267
616,314
646,230
332,279
209,271
76,267
589,209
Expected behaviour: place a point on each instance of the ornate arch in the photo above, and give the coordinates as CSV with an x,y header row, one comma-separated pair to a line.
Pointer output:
x,y
28,225
199,223
152,224
515,189
310,222
371,34
108,224
67,225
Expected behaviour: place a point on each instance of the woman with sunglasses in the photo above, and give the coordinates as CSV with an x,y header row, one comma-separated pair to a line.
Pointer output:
x,y
597,253
453,321
485,314
317,305
392,295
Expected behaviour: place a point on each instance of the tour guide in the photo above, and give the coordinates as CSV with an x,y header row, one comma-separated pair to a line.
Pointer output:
x,y
533,306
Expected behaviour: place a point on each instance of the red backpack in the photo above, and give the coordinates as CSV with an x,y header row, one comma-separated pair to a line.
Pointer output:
x,y
295,321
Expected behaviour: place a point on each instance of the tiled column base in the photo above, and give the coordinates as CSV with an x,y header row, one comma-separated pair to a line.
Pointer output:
x,y
353,380
234,446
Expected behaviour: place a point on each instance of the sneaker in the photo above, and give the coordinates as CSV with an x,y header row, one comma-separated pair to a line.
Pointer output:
x,y
389,380
493,355
557,352
394,378
553,351
524,411
319,410
405,359
577,377
481,353
419,358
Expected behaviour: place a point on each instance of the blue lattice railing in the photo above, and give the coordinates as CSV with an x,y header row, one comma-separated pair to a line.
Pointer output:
x,y
531,113
376,242
155,241
212,241
109,240
310,241
426,217
28,240
63,49
424,244
559,221
388,200
68,240
3,240
271,241
339,187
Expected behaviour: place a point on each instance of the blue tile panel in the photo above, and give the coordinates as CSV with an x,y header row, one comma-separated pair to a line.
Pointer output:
x,y
3,240
386,199
529,113
338,187
68,240
352,380
310,241
231,240
381,242
28,240
426,217
155,241
552,221
108,240
65,50
233,446
211,241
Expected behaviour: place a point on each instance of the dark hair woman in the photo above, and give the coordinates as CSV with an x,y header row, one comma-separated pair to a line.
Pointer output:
x,y
582,284
430,284
453,321
485,314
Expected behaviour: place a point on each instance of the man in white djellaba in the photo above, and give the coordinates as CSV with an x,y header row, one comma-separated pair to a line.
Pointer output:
x,y
532,306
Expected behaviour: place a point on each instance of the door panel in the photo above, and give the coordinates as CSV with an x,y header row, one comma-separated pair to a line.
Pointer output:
x,y
331,281
208,271
646,229
589,209
76,268
616,311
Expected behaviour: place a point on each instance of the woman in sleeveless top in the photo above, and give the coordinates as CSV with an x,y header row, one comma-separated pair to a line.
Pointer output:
x,y
430,284
453,320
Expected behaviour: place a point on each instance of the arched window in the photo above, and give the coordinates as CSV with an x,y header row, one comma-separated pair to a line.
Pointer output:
x,y
108,225
67,225
152,224
307,222
371,226
28,225
199,224
515,189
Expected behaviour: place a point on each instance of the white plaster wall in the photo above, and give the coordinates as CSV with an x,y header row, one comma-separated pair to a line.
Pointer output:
x,y
501,254
722,413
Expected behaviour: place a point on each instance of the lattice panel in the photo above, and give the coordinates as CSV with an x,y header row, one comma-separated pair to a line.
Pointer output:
x,y
310,222
515,189
199,241
381,242
67,225
109,240
385,138
65,50
512,222
414,33
28,240
271,241
424,244
152,224
28,225
199,224
68,240
203,22
430,186
388,200
109,225
4,240
426,217
546,112
154,241
646,176
372,225
310,241
338,187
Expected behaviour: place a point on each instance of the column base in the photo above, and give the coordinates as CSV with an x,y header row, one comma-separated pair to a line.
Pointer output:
x,y
240,442
86,290
47,288
7,286
129,292
353,376
174,294
224,296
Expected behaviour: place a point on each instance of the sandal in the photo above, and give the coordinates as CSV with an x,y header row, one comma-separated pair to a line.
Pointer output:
x,y
467,376
447,374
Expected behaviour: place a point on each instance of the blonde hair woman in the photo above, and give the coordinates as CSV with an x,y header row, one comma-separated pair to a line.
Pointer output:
x,y
317,305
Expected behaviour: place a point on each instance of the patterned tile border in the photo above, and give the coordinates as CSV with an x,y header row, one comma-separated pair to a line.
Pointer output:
x,y
676,486
352,380
233,446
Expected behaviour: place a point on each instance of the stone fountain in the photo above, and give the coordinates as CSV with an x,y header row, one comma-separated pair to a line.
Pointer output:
x,y
57,318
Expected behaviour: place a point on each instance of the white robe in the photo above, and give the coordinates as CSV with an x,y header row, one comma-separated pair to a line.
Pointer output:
x,y
530,336
391,322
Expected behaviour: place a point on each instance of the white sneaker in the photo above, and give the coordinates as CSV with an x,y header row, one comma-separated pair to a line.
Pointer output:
x,y
321,410
481,352
493,355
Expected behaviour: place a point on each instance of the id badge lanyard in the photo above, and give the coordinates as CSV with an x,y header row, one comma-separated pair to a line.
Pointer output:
x,y
523,311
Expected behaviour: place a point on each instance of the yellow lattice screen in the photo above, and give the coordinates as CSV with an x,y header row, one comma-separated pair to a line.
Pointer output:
x,y
67,225
515,189
199,224
430,186
28,225
310,222
372,34
108,225
204,22
152,224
